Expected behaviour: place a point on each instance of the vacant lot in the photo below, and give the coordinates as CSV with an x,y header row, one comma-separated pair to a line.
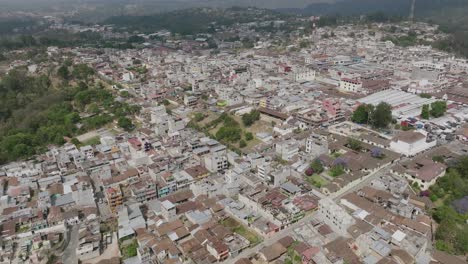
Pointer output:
x,y
240,229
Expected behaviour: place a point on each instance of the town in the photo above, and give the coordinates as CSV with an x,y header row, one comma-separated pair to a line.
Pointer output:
x,y
265,141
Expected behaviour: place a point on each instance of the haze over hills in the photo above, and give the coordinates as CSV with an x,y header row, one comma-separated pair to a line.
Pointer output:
x,y
28,5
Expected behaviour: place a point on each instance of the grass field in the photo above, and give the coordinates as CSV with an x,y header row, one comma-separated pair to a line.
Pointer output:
x,y
317,180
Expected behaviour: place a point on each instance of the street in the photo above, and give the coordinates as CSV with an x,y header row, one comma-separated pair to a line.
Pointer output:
x,y
288,231
69,254
270,240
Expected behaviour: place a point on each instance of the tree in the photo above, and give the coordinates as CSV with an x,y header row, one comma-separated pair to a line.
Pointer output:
x,y
376,152
354,144
336,171
438,108
63,73
229,133
135,39
198,117
425,112
317,166
125,123
248,136
439,159
382,115
242,144
309,172
250,118
361,114
125,94
82,72
75,142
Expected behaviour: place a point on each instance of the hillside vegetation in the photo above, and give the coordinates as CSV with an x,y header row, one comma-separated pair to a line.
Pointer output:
x,y
35,113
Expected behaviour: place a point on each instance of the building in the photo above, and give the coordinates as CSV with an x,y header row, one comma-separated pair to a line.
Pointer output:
x,y
114,197
410,143
304,75
316,145
144,190
168,210
350,85
335,216
216,162
333,109
287,150
190,100
421,171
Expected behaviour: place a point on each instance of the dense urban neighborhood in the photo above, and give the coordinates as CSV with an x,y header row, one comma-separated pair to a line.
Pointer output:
x,y
247,137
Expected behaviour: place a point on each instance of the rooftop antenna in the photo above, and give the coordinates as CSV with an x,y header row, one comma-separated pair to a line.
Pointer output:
x,y
411,16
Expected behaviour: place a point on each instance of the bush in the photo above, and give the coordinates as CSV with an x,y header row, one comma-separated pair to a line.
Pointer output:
x,y
317,166
230,134
248,136
199,117
336,171
250,118
242,144
354,144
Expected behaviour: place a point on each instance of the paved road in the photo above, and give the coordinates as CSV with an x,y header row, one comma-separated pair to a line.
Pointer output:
x,y
69,254
270,240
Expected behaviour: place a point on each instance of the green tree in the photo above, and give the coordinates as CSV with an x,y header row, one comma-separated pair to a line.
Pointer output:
x,y
198,117
248,136
242,143
75,142
63,73
125,123
229,133
250,118
336,171
438,108
317,166
354,144
425,112
382,115
82,72
125,94
361,114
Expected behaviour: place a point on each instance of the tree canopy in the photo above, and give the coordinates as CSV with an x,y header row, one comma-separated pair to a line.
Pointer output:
x,y
378,117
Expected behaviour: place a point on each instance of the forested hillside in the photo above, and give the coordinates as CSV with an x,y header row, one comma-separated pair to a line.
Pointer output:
x,y
35,113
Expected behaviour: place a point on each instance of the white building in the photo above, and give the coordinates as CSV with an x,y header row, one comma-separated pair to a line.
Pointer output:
x,y
216,162
350,85
410,143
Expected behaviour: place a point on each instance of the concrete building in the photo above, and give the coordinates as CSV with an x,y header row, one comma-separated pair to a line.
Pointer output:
x,y
216,162
316,145
335,216
410,143
168,210
287,150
